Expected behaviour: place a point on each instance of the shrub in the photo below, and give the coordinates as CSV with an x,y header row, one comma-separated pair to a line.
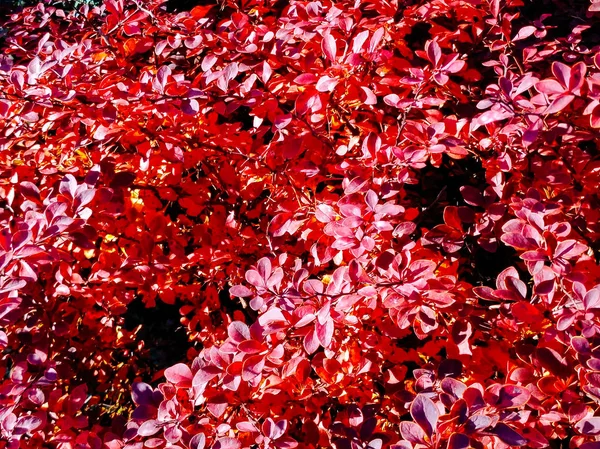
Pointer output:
x,y
375,222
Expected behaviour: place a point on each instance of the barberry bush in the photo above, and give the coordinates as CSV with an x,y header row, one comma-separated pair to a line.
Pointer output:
x,y
367,224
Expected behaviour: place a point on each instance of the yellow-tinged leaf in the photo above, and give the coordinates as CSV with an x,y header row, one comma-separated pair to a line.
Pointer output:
x,y
89,253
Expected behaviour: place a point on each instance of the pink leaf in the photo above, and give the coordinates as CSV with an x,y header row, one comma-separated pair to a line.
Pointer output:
x,y
559,104
205,375
198,441
180,375
30,190
367,96
238,331
589,426
329,47
208,61
272,315
253,277
264,268
240,291
577,77
311,342
549,87
325,332
305,79
326,84
68,186
274,430
252,367
149,428
376,39
592,299
434,52
512,396
569,249
562,73
518,241
359,41
524,33
227,443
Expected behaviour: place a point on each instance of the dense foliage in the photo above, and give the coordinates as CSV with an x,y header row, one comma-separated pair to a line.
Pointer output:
x,y
361,224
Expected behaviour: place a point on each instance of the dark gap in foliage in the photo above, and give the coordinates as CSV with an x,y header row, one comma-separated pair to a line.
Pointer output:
x,y
187,5
164,337
411,341
440,187
489,265
173,210
419,34
242,116
558,443
564,15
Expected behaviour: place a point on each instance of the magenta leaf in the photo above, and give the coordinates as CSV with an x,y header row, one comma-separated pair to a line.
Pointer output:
x,y
274,430
425,413
142,393
508,435
325,332
459,441
594,444
512,396
562,72
412,432
589,426
26,424
477,423
453,387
